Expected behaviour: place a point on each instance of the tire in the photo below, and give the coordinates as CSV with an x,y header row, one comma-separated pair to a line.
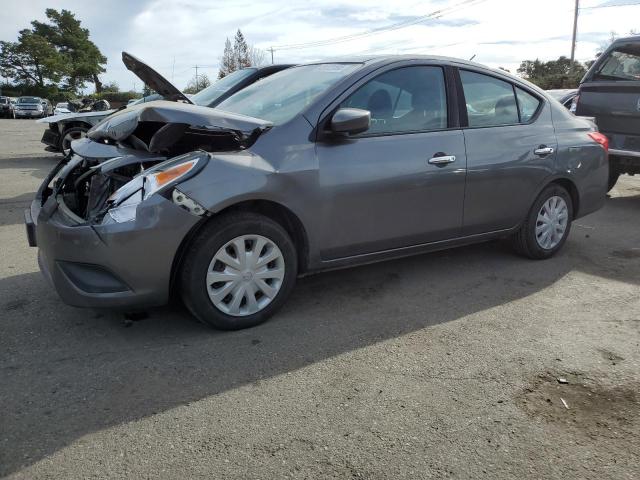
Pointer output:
x,y
74,133
525,240
199,262
613,179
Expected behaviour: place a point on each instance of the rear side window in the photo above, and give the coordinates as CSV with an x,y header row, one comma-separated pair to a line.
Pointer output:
x,y
620,64
408,99
490,102
528,105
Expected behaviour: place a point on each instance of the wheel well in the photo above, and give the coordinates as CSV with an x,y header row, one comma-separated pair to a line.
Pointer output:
x,y
570,187
275,211
285,217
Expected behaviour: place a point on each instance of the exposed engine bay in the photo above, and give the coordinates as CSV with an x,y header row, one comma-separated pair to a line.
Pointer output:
x,y
138,151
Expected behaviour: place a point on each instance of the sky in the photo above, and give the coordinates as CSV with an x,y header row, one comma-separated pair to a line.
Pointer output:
x,y
173,36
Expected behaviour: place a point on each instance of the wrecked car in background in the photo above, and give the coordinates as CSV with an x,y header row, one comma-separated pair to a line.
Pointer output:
x,y
64,129
313,168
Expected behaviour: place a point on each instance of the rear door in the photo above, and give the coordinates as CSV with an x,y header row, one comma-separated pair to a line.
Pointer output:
x,y
510,144
611,94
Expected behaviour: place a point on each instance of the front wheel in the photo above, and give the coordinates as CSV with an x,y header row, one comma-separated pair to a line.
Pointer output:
x,y
547,225
240,269
68,136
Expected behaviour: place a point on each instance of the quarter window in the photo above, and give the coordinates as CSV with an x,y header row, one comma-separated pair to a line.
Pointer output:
x,y
622,63
528,105
408,99
490,101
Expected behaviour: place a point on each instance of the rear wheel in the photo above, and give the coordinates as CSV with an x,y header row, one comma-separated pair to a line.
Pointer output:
x,y
240,269
547,225
68,136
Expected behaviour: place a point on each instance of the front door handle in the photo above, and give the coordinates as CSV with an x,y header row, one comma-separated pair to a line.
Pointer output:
x,y
543,151
442,159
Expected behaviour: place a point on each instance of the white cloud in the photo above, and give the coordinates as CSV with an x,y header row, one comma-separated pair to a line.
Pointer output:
x,y
498,32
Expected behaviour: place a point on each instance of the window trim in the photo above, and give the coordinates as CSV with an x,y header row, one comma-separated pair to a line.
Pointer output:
x,y
453,122
463,101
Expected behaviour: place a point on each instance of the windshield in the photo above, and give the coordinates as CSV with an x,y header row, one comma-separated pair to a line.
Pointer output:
x,y
280,97
28,100
214,91
4,101
621,64
62,105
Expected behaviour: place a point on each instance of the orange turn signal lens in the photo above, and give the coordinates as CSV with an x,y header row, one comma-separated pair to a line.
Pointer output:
x,y
162,178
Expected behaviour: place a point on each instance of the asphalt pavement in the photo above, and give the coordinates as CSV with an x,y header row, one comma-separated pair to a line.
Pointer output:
x,y
469,363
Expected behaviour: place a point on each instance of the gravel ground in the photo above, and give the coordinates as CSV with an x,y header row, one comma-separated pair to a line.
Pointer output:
x,y
437,366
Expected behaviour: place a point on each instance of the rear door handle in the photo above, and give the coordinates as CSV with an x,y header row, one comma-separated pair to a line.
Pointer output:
x,y
543,151
442,160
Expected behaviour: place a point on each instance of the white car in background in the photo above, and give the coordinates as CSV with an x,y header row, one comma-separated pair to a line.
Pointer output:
x,y
61,107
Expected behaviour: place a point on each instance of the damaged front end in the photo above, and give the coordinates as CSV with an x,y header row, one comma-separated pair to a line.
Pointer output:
x,y
142,151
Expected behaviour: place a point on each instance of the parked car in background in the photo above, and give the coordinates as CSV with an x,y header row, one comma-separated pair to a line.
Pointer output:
x,y
63,129
564,96
61,108
319,166
610,92
30,107
6,108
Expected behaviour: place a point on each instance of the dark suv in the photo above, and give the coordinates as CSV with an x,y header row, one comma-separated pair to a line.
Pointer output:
x,y
610,92
6,108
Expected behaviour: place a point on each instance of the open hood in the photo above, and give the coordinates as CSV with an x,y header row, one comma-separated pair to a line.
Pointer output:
x,y
153,79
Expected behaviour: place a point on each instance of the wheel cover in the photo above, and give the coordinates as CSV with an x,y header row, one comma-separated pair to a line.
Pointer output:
x,y
552,221
68,138
245,275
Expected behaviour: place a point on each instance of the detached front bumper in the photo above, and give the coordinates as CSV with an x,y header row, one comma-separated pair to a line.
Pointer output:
x,y
121,265
51,137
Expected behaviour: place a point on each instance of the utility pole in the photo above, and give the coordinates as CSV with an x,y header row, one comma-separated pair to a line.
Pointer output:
x,y
575,29
270,49
197,81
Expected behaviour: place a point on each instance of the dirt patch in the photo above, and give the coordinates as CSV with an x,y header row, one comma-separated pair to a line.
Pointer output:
x,y
627,253
584,405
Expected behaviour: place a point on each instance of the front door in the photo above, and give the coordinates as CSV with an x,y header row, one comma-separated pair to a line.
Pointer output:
x,y
401,183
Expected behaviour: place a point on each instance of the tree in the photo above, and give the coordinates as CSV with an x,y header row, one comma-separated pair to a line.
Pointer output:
x,y
241,51
228,62
241,55
31,60
256,56
84,60
197,83
559,73
111,87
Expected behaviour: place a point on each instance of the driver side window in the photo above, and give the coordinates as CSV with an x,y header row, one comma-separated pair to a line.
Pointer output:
x,y
409,99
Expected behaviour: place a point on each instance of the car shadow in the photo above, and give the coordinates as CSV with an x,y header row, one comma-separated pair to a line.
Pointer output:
x,y
69,372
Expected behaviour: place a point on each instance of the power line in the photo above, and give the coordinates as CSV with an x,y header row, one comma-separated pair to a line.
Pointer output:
x,y
395,26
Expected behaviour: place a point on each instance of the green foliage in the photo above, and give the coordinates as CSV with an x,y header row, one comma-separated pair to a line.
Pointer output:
x,y
228,62
111,87
31,60
115,98
84,61
53,52
197,83
552,74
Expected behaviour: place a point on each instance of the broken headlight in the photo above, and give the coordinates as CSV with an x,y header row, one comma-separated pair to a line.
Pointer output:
x,y
124,202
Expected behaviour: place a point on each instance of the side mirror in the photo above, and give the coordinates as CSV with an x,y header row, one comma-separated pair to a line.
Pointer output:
x,y
350,121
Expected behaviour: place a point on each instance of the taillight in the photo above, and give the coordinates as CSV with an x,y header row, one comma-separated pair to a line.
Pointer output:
x,y
601,139
574,104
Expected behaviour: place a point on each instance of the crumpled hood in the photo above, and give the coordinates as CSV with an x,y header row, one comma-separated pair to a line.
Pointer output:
x,y
123,123
73,115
